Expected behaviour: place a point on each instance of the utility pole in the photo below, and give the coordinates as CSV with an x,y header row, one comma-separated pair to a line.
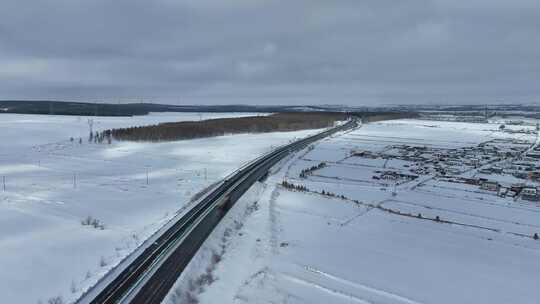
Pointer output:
x,y
91,125
4,183
205,175
147,175
74,180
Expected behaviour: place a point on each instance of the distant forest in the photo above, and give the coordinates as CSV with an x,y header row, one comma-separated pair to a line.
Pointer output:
x,y
223,126
380,116
49,107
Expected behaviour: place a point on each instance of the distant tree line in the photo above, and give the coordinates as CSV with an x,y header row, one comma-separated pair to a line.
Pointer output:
x,y
54,107
224,126
380,116
74,108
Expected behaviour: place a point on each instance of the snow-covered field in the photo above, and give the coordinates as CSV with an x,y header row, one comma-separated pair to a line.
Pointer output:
x,y
280,245
53,184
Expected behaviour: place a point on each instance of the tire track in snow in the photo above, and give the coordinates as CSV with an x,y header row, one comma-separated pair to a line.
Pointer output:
x,y
490,218
372,290
273,220
331,291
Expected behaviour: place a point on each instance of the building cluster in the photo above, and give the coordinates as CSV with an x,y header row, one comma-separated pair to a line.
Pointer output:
x,y
523,190
517,177
391,175
456,118
519,131
503,166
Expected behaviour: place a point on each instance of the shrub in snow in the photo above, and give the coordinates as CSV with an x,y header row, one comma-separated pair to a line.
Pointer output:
x,y
89,221
181,297
102,262
86,221
536,236
56,300
197,285
215,259
73,287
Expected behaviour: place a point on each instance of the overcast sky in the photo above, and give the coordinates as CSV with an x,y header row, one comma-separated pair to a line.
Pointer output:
x,y
280,52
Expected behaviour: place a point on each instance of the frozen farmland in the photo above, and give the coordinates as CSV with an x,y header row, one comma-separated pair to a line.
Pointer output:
x,y
404,211
71,211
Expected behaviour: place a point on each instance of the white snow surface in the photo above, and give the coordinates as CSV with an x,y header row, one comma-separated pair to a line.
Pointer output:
x,y
284,246
53,184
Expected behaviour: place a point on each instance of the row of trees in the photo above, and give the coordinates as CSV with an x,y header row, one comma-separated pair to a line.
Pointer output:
x,y
292,186
100,137
225,126
96,137
305,172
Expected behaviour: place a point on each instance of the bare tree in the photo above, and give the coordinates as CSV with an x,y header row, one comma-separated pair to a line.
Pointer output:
x,y
102,262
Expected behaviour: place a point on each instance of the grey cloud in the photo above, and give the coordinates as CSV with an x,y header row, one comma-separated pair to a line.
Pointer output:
x,y
257,51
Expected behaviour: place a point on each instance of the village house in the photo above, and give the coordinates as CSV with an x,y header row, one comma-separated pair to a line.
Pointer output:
x,y
529,194
535,175
485,171
511,193
535,155
502,191
490,186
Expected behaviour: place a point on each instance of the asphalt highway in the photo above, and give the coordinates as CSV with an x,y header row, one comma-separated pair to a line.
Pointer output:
x,y
151,275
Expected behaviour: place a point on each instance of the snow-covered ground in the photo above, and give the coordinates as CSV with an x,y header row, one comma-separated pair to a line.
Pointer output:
x,y
280,245
53,184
